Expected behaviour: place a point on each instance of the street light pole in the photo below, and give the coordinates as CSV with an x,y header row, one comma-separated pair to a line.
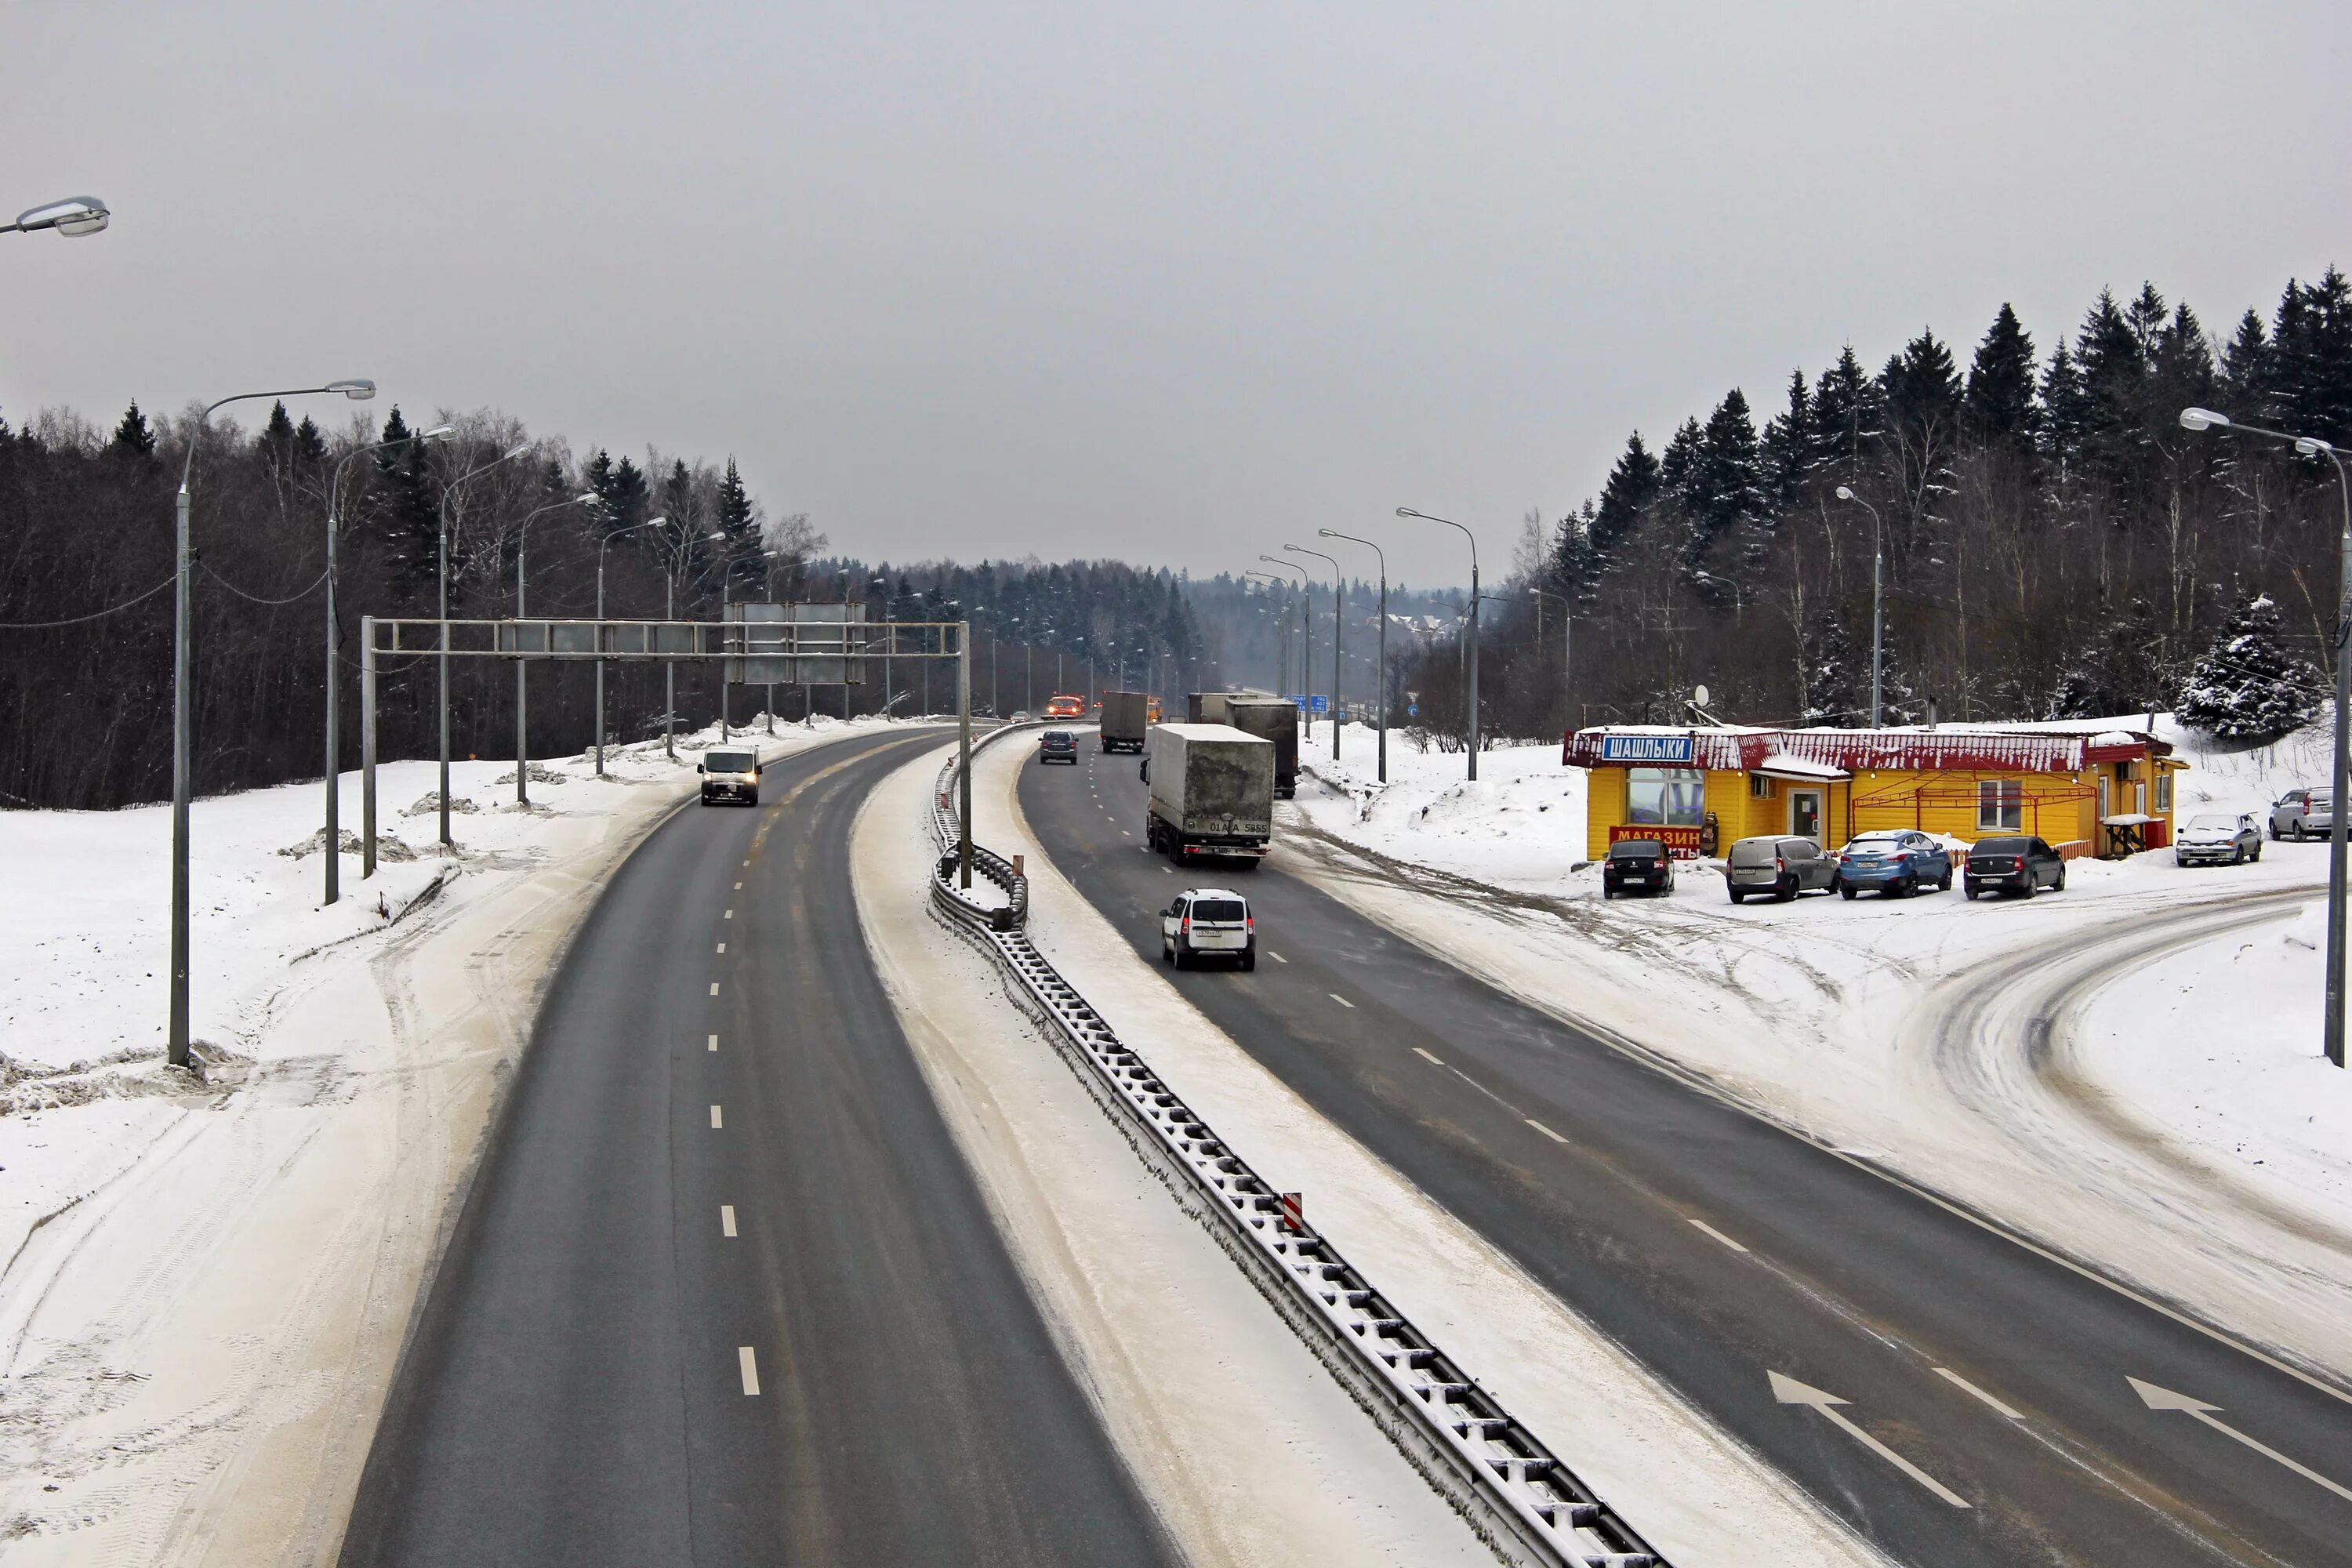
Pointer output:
x,y
334,827
1338,639
1381,699
603,545
443,552
1306,635
1877,598
358,390
1408,512
522,721
2340,776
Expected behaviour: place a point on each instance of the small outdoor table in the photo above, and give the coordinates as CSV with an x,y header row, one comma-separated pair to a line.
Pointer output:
x,y
2126,834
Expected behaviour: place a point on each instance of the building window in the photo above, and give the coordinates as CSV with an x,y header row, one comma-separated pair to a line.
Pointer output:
x,y
2164,790
2000,805
1759,787
1666,797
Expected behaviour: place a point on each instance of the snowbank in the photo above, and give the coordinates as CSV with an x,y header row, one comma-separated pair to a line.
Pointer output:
x,y
204,1280
1902,1031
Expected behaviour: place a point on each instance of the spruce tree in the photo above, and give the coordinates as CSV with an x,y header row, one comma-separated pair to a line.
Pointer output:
x,y
1836,681
1725,489
310,444
2065,415
133,438
1846,416
412,519
1998,401
2248,687
2245,379
2312,342
1787,442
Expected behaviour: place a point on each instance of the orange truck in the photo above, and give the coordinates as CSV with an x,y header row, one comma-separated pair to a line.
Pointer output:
x,y
1065,707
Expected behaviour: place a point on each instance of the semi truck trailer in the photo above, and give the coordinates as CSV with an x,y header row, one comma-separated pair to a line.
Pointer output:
x,y
1274,718
1124,721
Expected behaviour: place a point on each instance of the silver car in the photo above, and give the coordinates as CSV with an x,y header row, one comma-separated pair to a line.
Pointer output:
x,y
2303,814
1780,867
2217,838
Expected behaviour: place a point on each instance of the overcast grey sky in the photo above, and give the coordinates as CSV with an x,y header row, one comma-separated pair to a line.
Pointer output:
x,y
1172,283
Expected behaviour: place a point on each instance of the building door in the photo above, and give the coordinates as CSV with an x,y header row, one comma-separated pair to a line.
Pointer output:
x,y
1805,813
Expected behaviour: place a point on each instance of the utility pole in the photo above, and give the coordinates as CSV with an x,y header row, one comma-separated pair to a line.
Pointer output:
x,y
1408,512
1338,639
1381,700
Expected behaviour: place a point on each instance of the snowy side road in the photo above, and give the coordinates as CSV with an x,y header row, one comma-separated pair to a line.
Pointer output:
x,y
2166,1118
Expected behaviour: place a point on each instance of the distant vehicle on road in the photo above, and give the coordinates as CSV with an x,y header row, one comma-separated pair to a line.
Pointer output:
x,y
2217,837
1273,719
1783,867
1208,922
1637,863
1057,746
728,774
2022,866
2303,814
1898,863
1211,793
1125,721
1064,706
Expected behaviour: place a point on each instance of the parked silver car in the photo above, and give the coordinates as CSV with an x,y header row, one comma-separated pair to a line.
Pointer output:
x,y
1781,867
2303,814
2217,837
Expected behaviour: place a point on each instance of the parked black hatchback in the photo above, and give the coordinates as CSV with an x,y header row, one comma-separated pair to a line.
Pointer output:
x,y
1637,863
2021,865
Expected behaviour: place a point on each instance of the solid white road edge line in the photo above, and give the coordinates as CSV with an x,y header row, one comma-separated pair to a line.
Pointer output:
x,y
1948,1376
1789,1390
749,1367
727,1219
1717,1233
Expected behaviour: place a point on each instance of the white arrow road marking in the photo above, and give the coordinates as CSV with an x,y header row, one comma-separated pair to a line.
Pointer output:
x,y
1789,1390
2165,1399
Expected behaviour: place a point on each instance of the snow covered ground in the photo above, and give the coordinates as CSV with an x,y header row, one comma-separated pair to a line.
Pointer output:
x,y
2127,1134
1704,1501
205,1279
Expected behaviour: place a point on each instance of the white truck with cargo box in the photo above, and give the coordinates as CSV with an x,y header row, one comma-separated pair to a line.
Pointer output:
x,y
1124,725
1211,793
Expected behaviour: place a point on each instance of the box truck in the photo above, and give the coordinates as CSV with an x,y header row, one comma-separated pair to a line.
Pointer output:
x,y
1124,721
1211,793
1273,719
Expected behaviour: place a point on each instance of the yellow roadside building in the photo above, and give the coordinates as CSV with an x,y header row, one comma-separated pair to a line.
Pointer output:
x,y
2087,792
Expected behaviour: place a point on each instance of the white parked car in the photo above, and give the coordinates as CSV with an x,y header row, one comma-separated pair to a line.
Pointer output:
x,y
2217,837
1208,922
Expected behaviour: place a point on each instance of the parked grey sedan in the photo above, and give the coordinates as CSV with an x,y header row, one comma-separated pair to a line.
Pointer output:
x,y
2217,837
1783,867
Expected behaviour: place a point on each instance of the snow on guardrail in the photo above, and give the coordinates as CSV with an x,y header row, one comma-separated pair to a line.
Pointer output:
x,y
1518,1495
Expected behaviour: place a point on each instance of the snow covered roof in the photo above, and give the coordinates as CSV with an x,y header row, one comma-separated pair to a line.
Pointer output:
x,y
1831,753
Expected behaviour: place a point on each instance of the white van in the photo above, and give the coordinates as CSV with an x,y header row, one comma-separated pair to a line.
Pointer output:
x,y
1208,922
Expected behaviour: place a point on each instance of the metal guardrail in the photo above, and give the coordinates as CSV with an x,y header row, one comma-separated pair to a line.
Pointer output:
x,y
1515,1493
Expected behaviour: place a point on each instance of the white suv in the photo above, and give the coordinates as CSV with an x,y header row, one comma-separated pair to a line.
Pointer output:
x,y
1208,922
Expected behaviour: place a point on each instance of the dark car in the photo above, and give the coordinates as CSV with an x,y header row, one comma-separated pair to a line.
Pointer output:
x,y
1781,867
1059,746
1633,863
729,774
2019,866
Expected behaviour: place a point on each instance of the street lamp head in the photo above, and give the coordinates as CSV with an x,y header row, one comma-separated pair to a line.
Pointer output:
x,y
655,521
1408,512
590,499
2311,446
516,450
1845,492
2203,419
359,388
73,217
438,433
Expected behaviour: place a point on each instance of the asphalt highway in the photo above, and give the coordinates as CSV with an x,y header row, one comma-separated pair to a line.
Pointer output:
x,y
1957,1398
723,1291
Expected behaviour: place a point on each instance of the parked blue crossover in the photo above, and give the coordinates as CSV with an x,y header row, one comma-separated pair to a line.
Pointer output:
x,y
1897,864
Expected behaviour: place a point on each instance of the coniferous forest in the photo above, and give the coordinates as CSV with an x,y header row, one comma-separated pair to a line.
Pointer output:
x,y
2056,544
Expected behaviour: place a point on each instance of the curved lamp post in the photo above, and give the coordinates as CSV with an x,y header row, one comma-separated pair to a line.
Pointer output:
x,y
443,552
602,546
334,700
522,692
2202,419
1282,630
73,217
357,389
1306,632
1878,594
1382,700
1338,639
1408,512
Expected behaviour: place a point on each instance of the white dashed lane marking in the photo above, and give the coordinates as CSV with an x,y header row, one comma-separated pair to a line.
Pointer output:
x,y
714,988
1948,1376
1276,956
751,1369
722,947
1545,1130
728,915
1718,1235
1342,1000
1425,1055
714,1042
727,1219
714,1116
